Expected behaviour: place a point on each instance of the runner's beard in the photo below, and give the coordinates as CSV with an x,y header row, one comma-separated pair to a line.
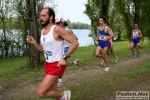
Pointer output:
x,y
46,23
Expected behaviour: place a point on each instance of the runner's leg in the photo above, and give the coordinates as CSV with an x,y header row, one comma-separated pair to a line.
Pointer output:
x,y
104,55
98,50
48,88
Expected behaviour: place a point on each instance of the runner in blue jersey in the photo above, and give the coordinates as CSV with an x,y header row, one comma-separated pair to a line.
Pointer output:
x,y
110,47
135,40
104,34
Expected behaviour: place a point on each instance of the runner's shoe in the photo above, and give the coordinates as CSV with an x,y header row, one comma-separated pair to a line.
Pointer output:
x,y
133,54
78,62
67,95
102,63
116,60
138,56
107,69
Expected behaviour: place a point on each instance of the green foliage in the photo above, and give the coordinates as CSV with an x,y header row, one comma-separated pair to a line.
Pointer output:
x,y
121,15
77,25
95,9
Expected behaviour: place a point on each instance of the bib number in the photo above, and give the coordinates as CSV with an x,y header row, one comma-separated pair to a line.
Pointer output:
x,y
101,38
48,56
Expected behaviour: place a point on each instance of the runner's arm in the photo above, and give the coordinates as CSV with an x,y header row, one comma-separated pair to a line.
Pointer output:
x,y
97,37
72,34
38,46
64,35
140,34
109,30
31,40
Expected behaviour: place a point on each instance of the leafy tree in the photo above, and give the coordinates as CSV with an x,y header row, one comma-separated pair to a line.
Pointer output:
x,y
121,14
5,12
115,20
134,11
145,18
95,9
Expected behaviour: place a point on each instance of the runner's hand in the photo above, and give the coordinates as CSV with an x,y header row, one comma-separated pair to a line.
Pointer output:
x,y
97,39
61,62
30,39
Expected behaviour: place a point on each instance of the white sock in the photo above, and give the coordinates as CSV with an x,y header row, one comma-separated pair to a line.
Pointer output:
x,y
60,80
75,62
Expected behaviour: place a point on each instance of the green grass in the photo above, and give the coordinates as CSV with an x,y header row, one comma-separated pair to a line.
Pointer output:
x,y
14,71
96,87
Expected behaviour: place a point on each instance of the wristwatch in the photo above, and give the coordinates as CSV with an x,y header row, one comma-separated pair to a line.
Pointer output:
x,y
65,57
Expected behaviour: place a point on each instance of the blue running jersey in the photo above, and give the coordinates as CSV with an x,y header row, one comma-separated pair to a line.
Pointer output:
x,y
102,35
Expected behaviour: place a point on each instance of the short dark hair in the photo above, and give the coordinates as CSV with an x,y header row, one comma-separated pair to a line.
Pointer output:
x,y
51,13
107,23
136,23
65,23
104,19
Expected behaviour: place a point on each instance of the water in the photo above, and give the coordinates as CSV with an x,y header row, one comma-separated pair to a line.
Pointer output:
x,y
83,38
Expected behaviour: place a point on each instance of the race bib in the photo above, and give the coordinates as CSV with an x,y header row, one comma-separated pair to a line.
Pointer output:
x,y
103,37
48,56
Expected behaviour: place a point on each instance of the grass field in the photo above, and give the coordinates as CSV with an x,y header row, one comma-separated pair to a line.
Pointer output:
x,y
14,71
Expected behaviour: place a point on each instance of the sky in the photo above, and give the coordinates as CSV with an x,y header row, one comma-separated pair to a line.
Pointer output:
x,y
72,10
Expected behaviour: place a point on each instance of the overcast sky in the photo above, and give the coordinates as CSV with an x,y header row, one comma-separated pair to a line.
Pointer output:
x,y
72,10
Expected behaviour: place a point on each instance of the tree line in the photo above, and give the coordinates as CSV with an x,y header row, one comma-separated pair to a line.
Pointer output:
x,y
77,25
72,25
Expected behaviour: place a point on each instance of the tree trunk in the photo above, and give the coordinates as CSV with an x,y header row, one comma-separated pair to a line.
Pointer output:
x,y
34,53
137,12
105,4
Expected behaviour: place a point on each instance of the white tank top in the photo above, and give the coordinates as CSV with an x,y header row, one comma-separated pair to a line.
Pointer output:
x,y
66,43
135,34
53,50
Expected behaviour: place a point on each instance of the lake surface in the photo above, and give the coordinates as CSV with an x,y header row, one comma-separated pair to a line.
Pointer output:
x,y
83,38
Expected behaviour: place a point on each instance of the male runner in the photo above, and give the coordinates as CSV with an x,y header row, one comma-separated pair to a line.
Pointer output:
x,y
110,47
104,34
52,45
135,40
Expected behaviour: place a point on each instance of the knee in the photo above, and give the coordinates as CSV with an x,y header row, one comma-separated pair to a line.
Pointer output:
x,y
137,48
41,93
131,47
104,56
96,55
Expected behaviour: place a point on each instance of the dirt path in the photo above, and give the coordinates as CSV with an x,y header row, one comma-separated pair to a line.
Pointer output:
x,y
71,78
81,74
